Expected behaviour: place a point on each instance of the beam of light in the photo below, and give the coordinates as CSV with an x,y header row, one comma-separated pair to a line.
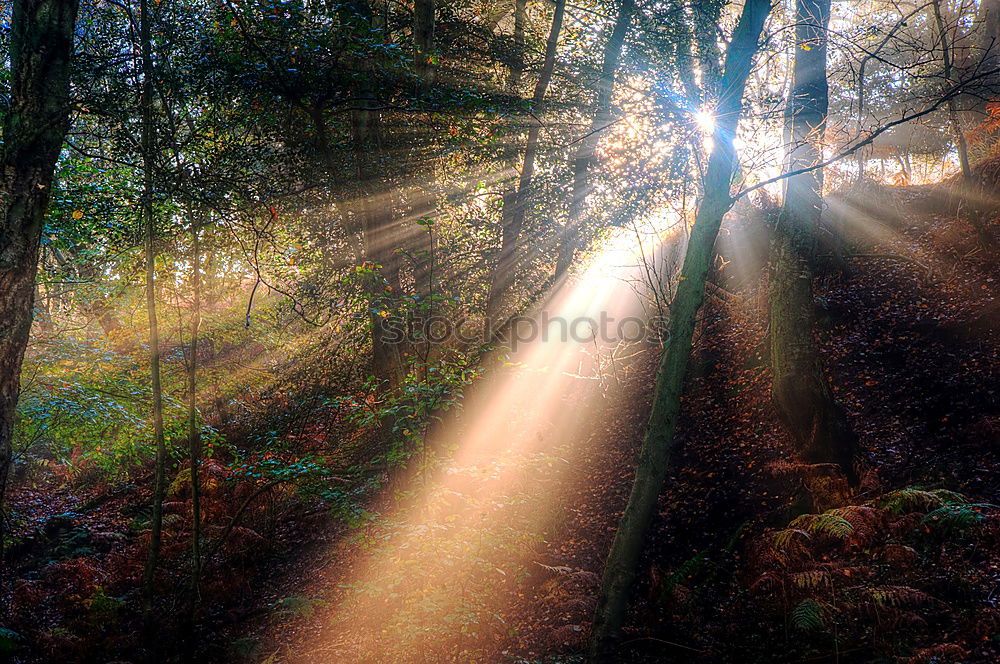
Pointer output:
x,y
442,576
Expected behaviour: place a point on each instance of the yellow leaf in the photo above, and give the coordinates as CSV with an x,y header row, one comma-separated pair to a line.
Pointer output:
x,y
78,214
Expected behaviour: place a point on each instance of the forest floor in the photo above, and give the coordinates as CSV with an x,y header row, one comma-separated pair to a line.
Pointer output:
x,y
494,554
909,337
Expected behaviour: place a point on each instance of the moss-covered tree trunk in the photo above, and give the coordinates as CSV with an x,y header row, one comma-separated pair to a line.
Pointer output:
x,y
619,572
800,390
41,43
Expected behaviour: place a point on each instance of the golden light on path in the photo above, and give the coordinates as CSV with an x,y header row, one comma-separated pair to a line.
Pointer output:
x,y
443,578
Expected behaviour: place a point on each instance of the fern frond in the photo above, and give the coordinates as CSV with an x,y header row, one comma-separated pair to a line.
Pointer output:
x,y
826,523
865,520
915,499
956,518
784,539
939,654
900,597
808,615
811,579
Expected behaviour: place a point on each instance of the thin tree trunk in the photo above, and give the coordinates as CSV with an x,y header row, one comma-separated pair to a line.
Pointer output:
x,y
148,145
194,430
953,120
425,199
513,218
658,441
509,191
966,195
584,156
969,193
800,390
41,44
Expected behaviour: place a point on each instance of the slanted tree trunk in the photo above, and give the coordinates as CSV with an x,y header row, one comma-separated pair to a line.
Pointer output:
x,y
41,43
584,156
619,571
148,148
815,420
513,216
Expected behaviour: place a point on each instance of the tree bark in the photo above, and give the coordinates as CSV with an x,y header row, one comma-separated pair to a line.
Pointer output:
x,y
374,208
583,159
423,41
424,199
513,215
803,398
509,192
148,147
658,441
35,125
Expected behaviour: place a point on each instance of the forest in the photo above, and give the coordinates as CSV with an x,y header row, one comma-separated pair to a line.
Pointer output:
x,y
499,331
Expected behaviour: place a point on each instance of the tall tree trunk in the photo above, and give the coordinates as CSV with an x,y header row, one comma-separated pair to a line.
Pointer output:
x,y
584,156
800,390
658,441
509,191
374,209
148,147
194,429
513,215
41,43
424,199
423,41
